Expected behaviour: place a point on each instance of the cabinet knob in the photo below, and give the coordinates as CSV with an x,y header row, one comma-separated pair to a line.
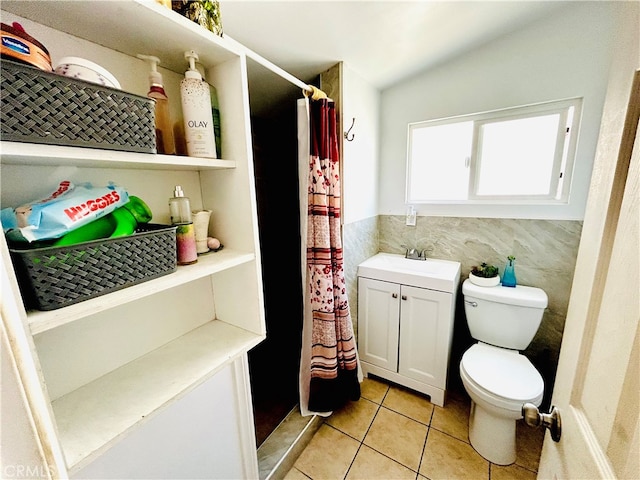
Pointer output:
x,y
394,295
404,297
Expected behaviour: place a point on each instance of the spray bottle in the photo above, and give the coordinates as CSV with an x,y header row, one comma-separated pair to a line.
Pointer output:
x,y
196,110
164,127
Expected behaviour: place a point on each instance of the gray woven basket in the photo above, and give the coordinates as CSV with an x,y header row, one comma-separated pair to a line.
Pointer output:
x,y
54,277
43,107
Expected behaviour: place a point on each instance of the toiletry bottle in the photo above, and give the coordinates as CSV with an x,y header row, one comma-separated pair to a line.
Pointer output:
x,y
178,137
164,128
196,110
119,223
215,111
180,211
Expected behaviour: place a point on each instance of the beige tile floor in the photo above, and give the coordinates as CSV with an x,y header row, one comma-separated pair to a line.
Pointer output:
x,y
395,433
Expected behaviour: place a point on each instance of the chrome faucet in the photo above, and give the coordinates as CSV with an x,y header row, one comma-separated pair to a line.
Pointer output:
x,y
414,254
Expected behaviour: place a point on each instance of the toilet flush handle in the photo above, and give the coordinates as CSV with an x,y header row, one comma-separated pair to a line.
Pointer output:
x,y
470,303
551,420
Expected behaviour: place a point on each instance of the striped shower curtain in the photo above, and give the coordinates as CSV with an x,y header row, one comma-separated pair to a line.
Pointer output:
x,y
329,375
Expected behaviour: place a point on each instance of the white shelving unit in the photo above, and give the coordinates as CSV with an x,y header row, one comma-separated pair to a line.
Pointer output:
x,y
101,379
14,153
41,321
143,386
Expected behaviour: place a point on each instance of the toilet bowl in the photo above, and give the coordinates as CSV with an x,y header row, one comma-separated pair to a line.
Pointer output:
x,y
499,381
497,377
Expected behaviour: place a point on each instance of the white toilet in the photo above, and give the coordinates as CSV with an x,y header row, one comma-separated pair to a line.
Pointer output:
x,y
496,376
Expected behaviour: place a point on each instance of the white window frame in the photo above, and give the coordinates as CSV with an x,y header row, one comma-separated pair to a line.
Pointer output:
x,y
563,163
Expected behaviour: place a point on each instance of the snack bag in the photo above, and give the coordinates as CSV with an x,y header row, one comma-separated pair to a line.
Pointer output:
x,y
66,209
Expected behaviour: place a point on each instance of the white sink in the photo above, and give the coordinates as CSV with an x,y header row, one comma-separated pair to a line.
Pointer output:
x,y
442,275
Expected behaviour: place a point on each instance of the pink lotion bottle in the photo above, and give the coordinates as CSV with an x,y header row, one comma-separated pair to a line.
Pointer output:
x,y
180,210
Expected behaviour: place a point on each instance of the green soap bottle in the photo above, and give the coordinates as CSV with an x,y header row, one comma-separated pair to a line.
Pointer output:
x,y
119,223
215,111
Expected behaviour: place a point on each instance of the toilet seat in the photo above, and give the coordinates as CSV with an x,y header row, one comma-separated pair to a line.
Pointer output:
x,y
505,378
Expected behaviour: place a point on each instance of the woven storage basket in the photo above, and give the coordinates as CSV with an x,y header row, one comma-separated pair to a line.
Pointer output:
x,y
55,277
43,107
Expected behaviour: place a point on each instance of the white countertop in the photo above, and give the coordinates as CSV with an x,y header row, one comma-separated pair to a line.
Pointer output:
x,y
441,275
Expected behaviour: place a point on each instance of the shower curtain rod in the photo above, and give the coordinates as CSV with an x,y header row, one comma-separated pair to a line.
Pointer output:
x,y
308,90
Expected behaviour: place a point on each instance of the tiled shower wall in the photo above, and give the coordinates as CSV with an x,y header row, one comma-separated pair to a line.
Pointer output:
x,y
545,252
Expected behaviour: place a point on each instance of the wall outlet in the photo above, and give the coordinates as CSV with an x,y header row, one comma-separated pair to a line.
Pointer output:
x,y
411,216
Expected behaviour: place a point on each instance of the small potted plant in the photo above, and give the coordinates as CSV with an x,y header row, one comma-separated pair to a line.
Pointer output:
x,y
485,275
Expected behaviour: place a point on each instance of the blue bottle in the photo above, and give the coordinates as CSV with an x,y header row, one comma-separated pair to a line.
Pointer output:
x,y
509,275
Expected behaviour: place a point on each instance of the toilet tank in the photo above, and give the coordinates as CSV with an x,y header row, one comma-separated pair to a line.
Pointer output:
x,y
506,317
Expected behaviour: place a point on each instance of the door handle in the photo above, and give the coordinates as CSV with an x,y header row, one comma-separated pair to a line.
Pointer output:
x,y
404,297
394,295
551,420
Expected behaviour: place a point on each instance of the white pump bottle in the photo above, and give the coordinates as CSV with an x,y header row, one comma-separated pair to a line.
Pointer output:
x,y
196,110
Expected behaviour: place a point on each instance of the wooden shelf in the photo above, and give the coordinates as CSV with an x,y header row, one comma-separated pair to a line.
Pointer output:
x,y
16,153
208,264
93,417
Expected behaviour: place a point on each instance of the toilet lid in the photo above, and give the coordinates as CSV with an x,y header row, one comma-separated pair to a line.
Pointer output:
x,y
503,372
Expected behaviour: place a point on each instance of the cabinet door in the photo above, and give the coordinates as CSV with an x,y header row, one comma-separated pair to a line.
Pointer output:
x,y
425,333
202,436
378,316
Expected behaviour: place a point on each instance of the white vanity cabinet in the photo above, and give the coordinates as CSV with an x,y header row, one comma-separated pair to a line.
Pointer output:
x,y
405,321
112,381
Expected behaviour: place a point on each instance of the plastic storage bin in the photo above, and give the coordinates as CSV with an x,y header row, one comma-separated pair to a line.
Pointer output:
x,y
43,107
54,277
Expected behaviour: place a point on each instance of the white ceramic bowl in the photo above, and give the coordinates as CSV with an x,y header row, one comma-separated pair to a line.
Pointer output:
x,y
86,70
484,282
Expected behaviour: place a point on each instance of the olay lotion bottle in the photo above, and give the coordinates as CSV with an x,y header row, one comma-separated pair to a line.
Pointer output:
x,y
196,111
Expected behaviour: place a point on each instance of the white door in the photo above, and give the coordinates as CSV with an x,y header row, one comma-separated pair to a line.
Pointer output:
x,y
378,322
598,381
425,327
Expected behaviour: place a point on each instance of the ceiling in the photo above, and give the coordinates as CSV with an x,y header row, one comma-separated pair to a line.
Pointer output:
x,y
382,41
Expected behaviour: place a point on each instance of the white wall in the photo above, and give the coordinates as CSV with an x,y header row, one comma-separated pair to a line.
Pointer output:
x,y
21,455
360,169
564,56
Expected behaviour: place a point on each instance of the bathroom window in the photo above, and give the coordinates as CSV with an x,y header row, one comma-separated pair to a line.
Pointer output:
x,y
516,155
